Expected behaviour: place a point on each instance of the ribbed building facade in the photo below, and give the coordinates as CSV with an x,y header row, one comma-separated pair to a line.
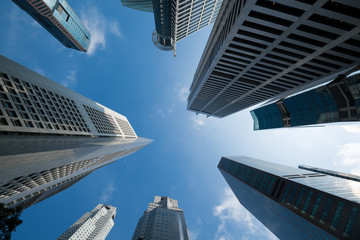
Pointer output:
x,y
162,220
94,225
338,101
59,19
295,203
51,137
260,50
175,19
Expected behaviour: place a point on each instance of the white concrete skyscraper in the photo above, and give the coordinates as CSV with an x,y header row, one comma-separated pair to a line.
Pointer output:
x,y
51,137
162,220
92,225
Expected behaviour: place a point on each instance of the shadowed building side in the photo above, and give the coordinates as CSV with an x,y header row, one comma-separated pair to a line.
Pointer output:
x,y
262,50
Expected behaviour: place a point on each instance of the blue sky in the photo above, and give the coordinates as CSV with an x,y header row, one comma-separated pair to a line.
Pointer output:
x,y
125,72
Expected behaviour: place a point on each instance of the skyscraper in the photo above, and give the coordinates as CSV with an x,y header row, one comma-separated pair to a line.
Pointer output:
x,y
260,50
295,203
161,221
51,137
58,18
92,225
338,101
175,20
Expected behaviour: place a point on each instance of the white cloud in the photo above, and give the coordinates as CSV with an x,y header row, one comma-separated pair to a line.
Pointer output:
x,y
194,234
198,121
232,215
99,28
159,113
355,128
107,193
349,156
183,92
114,28
70,79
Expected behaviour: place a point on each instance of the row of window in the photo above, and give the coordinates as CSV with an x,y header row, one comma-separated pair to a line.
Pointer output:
x,y
323,208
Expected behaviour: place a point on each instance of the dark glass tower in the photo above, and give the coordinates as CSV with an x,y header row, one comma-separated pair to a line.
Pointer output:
x,y
58,18
162,220
295,203
338,101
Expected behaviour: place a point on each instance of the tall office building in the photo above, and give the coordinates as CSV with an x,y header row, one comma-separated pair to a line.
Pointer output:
x,y
92,225
51,137
58,18
260,50
175,19
161,221
295,203
338,101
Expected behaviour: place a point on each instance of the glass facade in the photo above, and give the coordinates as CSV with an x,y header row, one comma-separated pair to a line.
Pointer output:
x,y
337,101
141,5
295,203
58,18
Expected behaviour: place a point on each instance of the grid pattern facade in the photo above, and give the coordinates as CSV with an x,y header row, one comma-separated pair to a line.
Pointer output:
x,y
161,221
334,102
33,108
92,225
103,122
327,206
125,127
260,50
191,16
58,18
27,108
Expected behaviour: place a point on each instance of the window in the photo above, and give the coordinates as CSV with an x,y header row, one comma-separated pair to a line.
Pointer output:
x,y
337,215
316,205
325,211
350,223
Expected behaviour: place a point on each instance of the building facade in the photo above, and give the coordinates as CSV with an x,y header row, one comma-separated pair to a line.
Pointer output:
x,y
175,20
161,221
260,50
58,18
51,137
295,203
338,101
92,225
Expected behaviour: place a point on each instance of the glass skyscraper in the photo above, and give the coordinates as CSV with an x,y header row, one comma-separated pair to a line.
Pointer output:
x,y
51,137
58,18
295,203
175,20
162,220
338,101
